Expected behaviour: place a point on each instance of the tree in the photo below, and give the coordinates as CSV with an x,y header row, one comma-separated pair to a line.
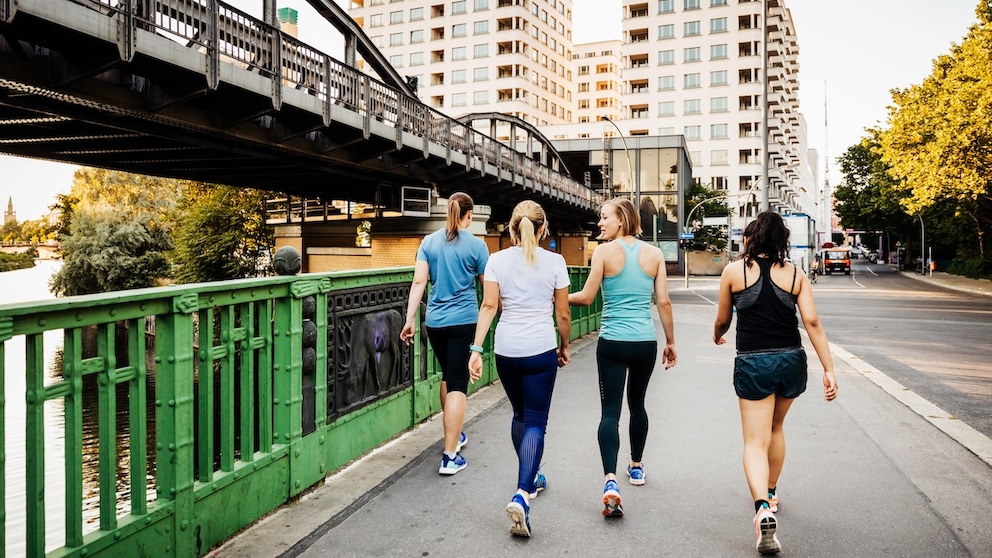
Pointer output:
x,y
707,203
222,234
868,198
110,251
939,141
114,231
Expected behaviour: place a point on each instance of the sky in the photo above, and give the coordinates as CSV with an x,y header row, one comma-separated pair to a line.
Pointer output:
x,y
852,53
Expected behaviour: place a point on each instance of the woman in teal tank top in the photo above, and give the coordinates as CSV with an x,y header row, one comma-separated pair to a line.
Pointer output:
x,y
629,271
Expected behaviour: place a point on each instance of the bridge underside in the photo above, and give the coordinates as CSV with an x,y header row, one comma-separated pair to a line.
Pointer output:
x,y
67,96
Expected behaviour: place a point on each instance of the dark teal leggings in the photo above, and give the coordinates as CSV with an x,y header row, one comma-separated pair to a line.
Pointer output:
x,y
615,359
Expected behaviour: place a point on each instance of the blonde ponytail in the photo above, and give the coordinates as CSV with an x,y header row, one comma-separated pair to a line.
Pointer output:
x,y
528,225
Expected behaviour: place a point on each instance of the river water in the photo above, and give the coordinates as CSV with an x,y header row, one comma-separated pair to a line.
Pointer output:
x,y
22,286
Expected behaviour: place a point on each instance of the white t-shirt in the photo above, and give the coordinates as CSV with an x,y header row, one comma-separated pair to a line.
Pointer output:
x,y
526,326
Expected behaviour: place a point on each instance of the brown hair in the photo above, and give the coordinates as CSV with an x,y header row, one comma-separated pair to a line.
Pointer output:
x,y
459,204
769,235
527,219
630,218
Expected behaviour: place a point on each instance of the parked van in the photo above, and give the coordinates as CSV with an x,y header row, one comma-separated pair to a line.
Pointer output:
x,y
837,258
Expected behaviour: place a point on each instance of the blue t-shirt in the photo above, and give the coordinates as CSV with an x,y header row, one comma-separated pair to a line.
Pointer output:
x,y
454,267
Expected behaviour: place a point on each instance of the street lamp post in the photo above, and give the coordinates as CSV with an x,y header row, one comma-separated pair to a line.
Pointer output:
x,y
630,168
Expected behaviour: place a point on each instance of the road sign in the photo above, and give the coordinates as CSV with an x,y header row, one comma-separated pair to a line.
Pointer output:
x,y
687,236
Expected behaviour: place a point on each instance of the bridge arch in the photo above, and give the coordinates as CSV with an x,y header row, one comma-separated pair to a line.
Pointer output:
x,y
543,151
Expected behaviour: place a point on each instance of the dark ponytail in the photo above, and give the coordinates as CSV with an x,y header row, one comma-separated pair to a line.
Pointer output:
x,y
767,235
459,204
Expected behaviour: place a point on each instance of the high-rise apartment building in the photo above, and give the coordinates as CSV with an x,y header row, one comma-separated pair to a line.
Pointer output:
x,y
598,80
695,67
472,56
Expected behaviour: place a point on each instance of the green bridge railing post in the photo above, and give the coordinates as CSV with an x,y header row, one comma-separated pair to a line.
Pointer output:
x,y
174,410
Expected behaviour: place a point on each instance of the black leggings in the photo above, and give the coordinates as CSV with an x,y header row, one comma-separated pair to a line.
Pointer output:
x,y
614,359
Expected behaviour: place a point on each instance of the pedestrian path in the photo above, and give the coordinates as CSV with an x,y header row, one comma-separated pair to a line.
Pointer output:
x,y
865,476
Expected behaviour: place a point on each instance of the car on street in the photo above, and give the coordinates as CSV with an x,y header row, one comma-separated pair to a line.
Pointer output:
x,y
837,258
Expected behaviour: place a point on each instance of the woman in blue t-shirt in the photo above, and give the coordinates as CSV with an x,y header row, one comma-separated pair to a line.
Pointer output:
x,y
629,271
451,259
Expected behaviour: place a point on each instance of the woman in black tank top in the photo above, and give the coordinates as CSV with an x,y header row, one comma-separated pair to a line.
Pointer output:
x,y
770,367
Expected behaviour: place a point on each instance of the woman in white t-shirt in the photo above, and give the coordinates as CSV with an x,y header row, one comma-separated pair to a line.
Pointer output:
x,y
530,286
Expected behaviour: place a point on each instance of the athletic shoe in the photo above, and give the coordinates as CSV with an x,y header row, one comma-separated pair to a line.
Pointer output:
x,y
540,483
611,500
773,501
519,513
636,474
451,466
462,440
765,525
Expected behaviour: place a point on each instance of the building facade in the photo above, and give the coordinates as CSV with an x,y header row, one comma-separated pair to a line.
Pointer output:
x,y
476,56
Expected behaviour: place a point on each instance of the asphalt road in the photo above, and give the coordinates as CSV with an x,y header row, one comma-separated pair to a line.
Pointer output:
x,y
933,340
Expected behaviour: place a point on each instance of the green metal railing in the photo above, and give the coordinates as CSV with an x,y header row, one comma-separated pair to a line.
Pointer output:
x,y
220,395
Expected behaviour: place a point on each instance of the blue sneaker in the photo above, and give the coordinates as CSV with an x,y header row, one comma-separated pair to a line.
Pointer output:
x,y
519,513
462,440
540,483
636,474
611,500
451,466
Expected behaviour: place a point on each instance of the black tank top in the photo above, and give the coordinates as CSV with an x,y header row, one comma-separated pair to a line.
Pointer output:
x,y
766,314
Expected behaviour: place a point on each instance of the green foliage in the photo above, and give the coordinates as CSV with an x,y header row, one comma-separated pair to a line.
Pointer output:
x,y
222,234
10,262
707,202
939,141
110,251
868,198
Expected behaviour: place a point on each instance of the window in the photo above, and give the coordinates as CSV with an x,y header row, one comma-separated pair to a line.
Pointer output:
x,y
417,36
395,17
480,51
480,97
715,3
720,182
718,52
666,108
691,5
458,7
666,57
690,29
718,25
584,104
481,5
639,111
459,53
667,131
375,20
666,83
718,104
718,78
458,99
691,132
690,81
691,106
639,86
480,27
458,76
480,74
584,87
396,60
666,31
395,39
458,30
416,14
696,159
690,54
416,58
718,131
583,70
718,157
666,6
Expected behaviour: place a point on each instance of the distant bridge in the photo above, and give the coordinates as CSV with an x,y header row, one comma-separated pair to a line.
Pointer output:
x,y
46,251
196,89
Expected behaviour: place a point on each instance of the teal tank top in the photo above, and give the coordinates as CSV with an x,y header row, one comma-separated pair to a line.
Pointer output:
x,y
627,301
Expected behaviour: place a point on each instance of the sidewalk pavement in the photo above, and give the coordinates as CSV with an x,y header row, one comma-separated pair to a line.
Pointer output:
x,y
865,475
956,282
